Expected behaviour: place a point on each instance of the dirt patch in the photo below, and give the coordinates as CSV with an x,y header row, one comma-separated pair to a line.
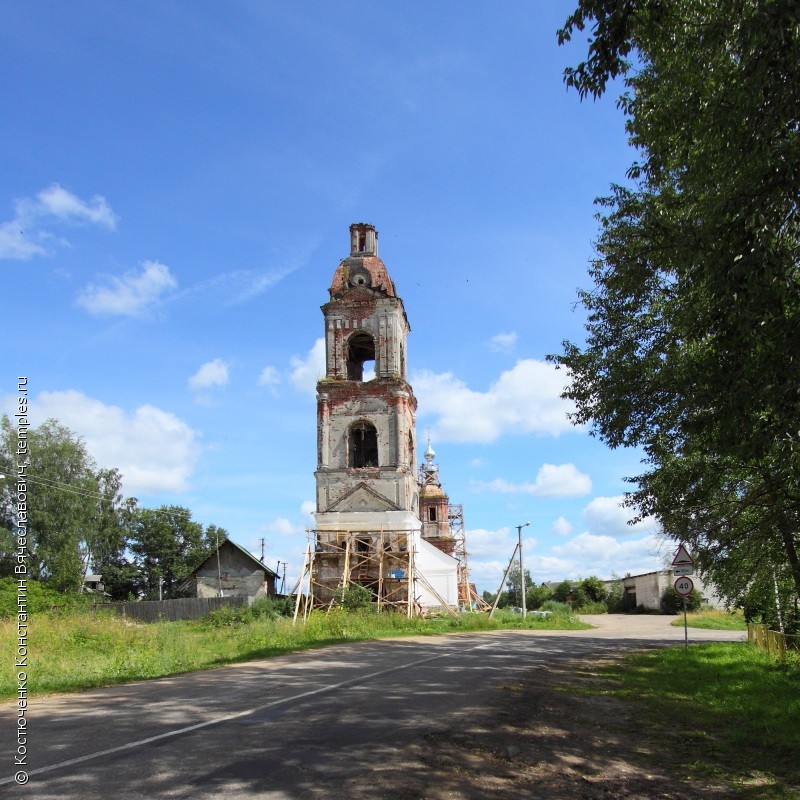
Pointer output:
x,y
538,739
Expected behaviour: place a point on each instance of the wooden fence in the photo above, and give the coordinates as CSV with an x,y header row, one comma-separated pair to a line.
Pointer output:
x,y
182,608
772,642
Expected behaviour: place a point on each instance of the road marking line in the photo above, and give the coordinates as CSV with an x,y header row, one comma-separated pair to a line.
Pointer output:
x,y
219,720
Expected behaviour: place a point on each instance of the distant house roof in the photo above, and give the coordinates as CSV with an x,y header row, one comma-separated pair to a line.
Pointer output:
x,y
246,553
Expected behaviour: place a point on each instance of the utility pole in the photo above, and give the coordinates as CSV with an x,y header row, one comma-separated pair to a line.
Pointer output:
x,y
262,549
522,568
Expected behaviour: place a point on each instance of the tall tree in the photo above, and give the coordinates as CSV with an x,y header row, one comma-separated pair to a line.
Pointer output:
x,y
167,545
61,500
106,541
693,347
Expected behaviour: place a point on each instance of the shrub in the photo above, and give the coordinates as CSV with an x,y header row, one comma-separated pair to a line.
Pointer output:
x,y
594,589
615,600
271,608
354,597
562,590
592,607
555,607
40,597
230,616
672,602
536,595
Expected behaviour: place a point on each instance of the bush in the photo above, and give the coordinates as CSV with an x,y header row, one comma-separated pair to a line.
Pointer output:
x,y
562,590
616,599
672,602
536,595
594,589
40,597
555,607
354,597
272,608
230,616
592,607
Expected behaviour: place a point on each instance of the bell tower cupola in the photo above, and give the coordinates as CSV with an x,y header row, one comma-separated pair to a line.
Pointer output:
x,y
363,239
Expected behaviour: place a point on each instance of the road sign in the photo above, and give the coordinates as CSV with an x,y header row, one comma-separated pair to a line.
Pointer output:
x,y
682,558
678,571
684,586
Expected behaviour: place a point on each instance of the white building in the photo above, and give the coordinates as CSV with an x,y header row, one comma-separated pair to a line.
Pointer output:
x,y
646,589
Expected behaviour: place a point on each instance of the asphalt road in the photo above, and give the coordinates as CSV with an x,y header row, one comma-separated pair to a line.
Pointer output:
x,y
307,725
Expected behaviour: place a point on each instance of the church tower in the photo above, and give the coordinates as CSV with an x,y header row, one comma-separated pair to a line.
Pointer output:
x,y
368,527
365,406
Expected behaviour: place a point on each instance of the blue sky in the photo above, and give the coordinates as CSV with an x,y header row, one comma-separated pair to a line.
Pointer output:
x,y
176,186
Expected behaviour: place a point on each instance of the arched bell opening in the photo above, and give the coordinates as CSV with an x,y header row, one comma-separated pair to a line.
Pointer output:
x,y
363,445
360,356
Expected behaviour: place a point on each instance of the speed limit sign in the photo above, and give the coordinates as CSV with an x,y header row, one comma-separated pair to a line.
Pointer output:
x,y
684,586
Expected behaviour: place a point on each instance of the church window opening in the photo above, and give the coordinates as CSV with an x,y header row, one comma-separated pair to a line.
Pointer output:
x,y
362,242
431,515
360,352
363,445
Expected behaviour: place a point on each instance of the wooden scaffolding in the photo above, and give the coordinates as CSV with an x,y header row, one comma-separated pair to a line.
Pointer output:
x,y
381,561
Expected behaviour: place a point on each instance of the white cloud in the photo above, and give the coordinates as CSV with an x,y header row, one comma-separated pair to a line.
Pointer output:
x,y
56,201
232,288
28,234
524,399
270,378
562,480
153,449
607,516
482,542
562,527
307,508
211,375
486,574
132,294
503,342
282,527
549,568
307,371
589,554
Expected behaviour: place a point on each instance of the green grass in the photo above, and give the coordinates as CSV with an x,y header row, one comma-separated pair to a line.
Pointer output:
x,y
723,711
76,650
713,620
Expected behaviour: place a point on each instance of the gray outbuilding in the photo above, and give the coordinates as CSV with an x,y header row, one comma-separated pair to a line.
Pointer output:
x,y
231,571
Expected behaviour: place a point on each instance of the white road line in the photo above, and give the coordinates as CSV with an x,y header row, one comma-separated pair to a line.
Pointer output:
x,y
219,720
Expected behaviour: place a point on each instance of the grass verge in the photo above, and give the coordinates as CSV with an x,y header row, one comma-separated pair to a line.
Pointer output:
x,y
721,711
713,620
77,650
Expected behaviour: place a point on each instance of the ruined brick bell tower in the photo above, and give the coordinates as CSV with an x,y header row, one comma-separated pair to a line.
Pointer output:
x,y
366,461
368,529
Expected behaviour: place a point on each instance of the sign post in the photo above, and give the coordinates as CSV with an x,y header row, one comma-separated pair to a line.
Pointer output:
x,y
684,587
682,567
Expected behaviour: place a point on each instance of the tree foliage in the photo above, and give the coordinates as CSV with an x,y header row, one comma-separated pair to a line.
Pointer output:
x,y
671,602
693,346
79,519
167,545
73,508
